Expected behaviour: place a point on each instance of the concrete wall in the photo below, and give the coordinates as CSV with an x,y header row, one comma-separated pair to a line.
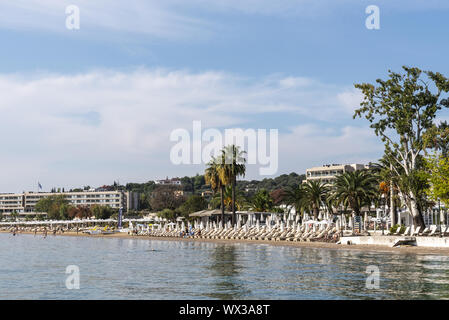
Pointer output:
x,y
435,242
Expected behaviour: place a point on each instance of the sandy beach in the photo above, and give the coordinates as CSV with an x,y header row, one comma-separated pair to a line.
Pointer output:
x,y
333,246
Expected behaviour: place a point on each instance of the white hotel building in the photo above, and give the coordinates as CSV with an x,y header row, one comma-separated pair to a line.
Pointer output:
x,y
26,202
326,173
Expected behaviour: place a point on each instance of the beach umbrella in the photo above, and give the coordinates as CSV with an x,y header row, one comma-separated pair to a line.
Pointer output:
x,y
320,215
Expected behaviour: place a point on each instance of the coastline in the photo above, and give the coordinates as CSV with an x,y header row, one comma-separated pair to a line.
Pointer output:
x,y
316,245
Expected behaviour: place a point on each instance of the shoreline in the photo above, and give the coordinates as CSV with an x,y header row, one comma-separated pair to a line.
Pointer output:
x,y
316,245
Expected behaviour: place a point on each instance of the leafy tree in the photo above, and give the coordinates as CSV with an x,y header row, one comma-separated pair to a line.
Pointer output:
x,y
439,178
56,207
437,138
81,212
193,203
315,193
102,212
401,110
262,201
355,189
165,197
278,196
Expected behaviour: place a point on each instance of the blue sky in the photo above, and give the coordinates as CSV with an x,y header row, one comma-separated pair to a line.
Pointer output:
x,y
97,104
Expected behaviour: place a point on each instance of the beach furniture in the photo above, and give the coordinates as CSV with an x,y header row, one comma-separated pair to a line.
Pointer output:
x,y
425,231
416,232
407,231
433,230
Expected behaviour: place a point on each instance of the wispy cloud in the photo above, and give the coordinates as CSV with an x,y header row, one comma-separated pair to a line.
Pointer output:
x,y
89,127
174,19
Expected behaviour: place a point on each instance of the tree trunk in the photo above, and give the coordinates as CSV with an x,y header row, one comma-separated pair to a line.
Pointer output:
x,y
222,205
392,209
316,211
233,201
418,220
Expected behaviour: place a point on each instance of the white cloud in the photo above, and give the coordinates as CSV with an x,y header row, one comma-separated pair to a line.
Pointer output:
x,y
93,127
350,99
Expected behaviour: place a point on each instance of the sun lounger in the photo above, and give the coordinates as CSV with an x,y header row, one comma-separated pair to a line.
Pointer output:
x,y
425,231
433,230
416,232
407,231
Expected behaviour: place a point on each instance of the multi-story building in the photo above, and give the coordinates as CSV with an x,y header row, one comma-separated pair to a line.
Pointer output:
x,y
26,202
326,173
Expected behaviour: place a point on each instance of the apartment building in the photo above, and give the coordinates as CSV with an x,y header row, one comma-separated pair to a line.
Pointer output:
x,y
326,173
26,202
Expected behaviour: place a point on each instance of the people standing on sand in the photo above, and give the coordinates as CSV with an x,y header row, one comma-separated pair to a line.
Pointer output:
x,y
54,232
35,231
77,229
45,232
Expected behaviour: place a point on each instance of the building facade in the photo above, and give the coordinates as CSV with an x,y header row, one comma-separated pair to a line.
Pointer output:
x,y
327,173
26,202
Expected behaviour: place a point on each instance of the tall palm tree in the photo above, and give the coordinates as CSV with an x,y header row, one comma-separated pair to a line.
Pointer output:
x,y
356,189
212,176
233,161
315,194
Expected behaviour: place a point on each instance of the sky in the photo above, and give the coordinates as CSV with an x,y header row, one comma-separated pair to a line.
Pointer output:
x,y
97,104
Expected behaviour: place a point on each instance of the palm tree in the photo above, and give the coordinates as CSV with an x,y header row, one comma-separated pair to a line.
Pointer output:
x,y
295,197
356,189
233,161
212,176
240,200
262,201
315,193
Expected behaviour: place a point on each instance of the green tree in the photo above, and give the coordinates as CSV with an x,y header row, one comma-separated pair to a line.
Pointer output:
x,y
240,200
356,189
193,203
56,207
262,201
401,109
234,166
315,194
213,177
102,212
294,196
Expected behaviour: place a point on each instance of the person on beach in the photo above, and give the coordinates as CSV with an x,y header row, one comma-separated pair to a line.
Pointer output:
x,y
35,231
54,232
45,232
77,229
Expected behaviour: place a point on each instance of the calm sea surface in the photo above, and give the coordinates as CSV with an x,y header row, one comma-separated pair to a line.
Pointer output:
x,y
34,268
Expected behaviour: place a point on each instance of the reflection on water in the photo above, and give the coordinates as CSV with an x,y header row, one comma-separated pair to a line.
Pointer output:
x,y
34,268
